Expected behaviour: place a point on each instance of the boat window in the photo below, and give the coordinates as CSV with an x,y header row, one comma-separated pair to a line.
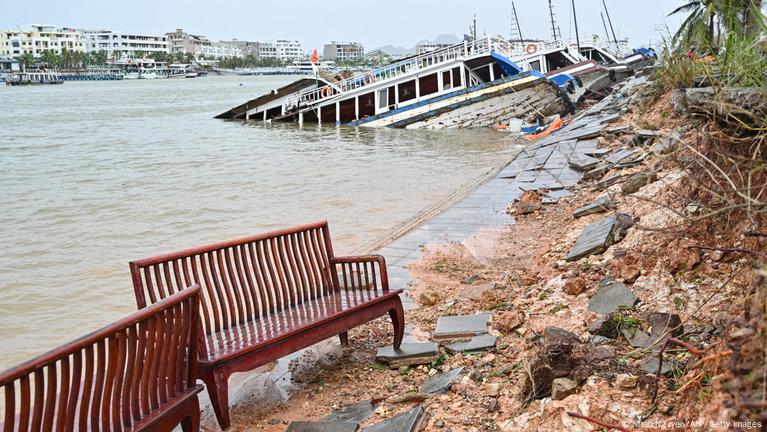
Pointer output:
x,y
483,73
428,84
407,91
383,98
447,83
457,77
535,65
367,105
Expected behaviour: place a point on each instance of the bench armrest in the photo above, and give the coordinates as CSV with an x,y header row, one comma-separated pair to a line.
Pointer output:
x,y
360,272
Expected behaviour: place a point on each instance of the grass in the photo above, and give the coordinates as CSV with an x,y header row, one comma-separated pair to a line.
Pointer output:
x,y
624,321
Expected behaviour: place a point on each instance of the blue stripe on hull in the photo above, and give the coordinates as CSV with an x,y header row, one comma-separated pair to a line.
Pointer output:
x,y
437,99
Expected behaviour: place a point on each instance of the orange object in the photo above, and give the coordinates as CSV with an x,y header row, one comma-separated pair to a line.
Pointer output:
x,y
315,57
554,126
531,49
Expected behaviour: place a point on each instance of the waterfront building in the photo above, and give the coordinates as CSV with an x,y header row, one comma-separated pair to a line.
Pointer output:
x,y
343,51
38,38
284,50
428,46
249,49
182,42
125,43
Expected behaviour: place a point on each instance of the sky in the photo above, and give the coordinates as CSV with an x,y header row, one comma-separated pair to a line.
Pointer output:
x,y
373,23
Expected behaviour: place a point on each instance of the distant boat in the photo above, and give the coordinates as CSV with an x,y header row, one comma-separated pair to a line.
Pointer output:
x,y
34,78
470,84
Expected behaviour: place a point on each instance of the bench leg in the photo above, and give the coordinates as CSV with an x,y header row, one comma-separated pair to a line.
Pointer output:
x,y
344,339
217,383
192,422
397,315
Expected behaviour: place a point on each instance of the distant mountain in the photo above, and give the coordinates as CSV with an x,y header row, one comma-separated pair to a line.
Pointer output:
x,y
396,51
447,39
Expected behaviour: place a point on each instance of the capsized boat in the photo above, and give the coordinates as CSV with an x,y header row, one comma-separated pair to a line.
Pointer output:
x,y
470,84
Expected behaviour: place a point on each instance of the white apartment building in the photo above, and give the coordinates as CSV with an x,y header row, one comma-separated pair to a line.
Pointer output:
x,y
125,43
38,38
343,51
219,50
428,46
285,50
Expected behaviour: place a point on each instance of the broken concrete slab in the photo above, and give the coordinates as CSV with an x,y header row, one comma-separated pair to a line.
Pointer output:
x,y
581,162
594,239
356,413
602,204
408,354
609,181
315,426
477,343
460,327
612,297
621,156
618,129
441,383
599,171
410,421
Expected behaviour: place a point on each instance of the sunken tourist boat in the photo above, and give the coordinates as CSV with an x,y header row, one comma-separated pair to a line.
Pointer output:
x,y
470,84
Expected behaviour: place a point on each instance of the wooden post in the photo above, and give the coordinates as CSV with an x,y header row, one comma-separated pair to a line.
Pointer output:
x,y
417,88
338,112
319,115
301,119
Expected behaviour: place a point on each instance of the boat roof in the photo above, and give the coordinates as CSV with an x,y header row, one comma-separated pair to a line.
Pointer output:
x,y
273,95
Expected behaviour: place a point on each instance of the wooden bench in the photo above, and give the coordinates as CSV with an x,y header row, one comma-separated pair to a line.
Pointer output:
x,y
269,295
137,374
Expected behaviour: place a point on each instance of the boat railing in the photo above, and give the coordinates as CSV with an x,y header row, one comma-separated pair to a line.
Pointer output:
x,y
405,67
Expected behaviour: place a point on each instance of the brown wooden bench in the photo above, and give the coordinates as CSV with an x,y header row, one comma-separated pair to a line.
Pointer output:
x,y
269,295
137,374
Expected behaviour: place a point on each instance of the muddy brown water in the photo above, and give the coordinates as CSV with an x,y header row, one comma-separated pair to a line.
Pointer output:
x,y
94,174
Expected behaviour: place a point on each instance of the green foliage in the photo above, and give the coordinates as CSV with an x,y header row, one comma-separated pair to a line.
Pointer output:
x,y
624,321
708,20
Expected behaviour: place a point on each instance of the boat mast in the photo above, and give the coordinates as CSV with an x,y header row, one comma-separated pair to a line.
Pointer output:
x,y
474,28
609,20
516,30
577,35
604,24
555,32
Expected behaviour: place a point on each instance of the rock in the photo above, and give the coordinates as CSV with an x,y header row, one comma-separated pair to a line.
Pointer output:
x,y
581,162
477,343
649,364
626,381
471,279
604,326
537,383
668,144
562,388
356,413
508,321
313,426
407,398
408,354
409,421
529,202
637,338
600,340
630,273
682,258
575,286
749,105
492,389
612,297
556,335
594,239
458,327
601,205
638,181
441,383
660,323
742,333
428,298
598,353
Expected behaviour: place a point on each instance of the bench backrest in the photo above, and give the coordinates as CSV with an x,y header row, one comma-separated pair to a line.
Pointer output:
x,y
243,279
118,378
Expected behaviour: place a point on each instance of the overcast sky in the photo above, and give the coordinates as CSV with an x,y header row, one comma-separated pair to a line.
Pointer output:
x,y
374,23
